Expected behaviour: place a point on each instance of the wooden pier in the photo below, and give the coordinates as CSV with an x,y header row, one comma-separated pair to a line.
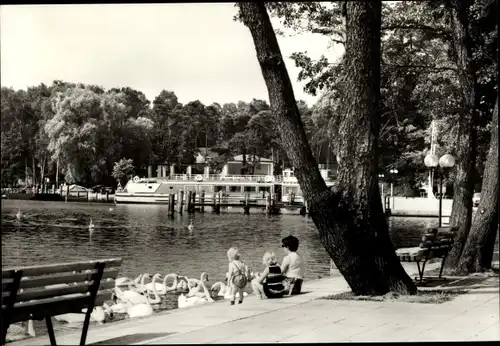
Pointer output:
x,y
190,202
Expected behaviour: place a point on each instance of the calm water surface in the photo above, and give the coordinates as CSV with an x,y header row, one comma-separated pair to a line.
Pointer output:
x,y
150,241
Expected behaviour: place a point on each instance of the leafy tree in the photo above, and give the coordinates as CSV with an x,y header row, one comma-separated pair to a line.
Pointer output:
x,y
351,216
478,250
123,170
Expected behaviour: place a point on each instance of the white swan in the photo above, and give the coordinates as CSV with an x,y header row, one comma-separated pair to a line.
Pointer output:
x,y
197,289
18,331
220,288
91,225
124,280
130,295
182,283
157,298
140,310
118,307
142,285
111,209
163,288
19,215
97,315
190,226
184,301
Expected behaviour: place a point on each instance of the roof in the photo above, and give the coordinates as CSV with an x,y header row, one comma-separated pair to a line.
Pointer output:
x,y
239,158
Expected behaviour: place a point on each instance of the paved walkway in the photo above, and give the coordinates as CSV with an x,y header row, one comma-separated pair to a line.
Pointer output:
x,y
303,318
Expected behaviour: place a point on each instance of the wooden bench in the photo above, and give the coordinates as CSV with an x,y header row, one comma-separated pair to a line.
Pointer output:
x,y
42,291
436,243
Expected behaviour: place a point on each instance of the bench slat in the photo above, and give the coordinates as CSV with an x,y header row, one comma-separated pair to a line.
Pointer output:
x,y
54,306
42,281
42,293
61,267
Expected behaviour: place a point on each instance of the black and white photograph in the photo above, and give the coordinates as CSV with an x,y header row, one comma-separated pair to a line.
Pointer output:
x,y
249,172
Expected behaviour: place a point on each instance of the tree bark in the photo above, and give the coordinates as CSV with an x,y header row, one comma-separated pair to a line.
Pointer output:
x,y
478,250
350,221
463,188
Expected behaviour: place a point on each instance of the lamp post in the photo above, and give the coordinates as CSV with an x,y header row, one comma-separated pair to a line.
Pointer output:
x,y
393,171
446,161
381,176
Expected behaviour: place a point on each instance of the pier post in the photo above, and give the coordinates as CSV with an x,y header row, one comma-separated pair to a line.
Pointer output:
x,y
88,196
217,206
246,208
268,203
180,201
171,201
193,204
67,192
292,198
97,196
189,201
107,197
202,201
214,202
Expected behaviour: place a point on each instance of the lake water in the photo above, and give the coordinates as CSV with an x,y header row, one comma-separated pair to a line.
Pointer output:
x,y
150,241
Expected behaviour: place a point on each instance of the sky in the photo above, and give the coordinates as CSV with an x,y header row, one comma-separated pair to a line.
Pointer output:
x,y
195,50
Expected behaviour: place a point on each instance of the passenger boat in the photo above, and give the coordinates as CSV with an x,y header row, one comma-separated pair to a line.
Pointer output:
x,y
157,190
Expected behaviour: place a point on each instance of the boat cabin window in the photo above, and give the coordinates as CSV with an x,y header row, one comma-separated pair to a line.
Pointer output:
x,y
264,189
250,189
290,189
219,188
234,188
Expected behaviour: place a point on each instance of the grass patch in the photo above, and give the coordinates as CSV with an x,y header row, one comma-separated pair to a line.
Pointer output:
x,y
422,297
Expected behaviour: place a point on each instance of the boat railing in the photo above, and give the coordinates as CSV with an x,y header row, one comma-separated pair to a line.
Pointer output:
x,y
224,178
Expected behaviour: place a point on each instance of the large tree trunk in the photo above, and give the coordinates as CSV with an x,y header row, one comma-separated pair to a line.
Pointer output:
x,y
463,188
478,251
350,221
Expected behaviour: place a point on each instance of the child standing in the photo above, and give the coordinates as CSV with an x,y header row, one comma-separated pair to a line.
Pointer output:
x,y
238,275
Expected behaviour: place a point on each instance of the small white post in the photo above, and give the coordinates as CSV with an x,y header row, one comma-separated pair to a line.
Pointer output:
x,y
392,195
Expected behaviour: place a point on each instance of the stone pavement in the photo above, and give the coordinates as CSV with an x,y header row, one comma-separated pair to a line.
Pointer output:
x,y
302,318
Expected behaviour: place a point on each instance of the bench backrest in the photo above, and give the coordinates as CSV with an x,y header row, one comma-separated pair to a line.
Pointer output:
x,y
35,292
438,240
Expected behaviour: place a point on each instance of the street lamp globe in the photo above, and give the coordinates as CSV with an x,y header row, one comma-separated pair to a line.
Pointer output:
x,y
394,171
431,161
447,161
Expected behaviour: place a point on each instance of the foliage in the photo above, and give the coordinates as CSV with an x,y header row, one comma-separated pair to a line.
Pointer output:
x,y
419,79
123,169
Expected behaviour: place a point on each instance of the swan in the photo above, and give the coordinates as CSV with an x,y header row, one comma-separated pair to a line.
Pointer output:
x,y
142,285
139,310
220,288
98,315
91,225
163,288
130,295
19,215
157,299
124,280
184,301
111,209
190,226
197,289
182,284
118,307
18,331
